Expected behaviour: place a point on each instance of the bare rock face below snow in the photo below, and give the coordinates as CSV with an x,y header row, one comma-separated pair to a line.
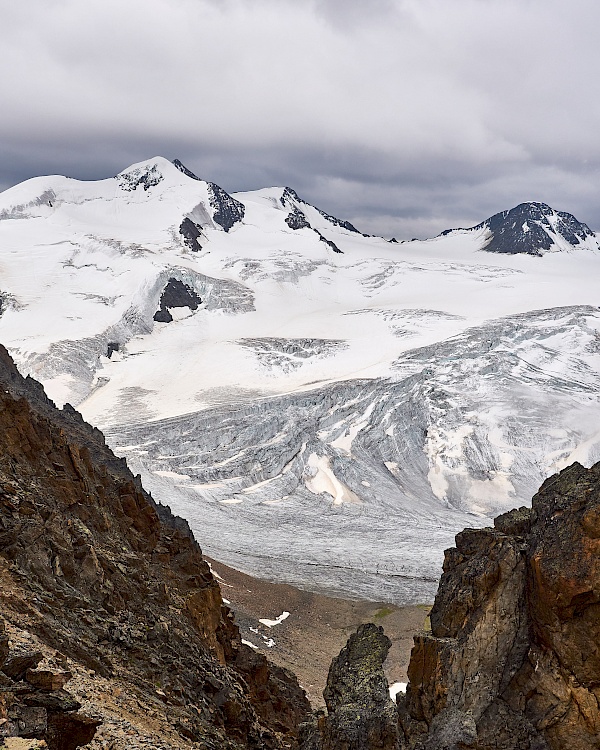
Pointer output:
x,y
532,228
175,294
114,583
512,660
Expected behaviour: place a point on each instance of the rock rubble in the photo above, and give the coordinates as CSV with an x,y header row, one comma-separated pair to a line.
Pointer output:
x,y
34,705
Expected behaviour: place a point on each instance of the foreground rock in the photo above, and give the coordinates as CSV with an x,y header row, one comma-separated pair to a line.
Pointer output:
x,y
513,659
107,580
34,705
361,715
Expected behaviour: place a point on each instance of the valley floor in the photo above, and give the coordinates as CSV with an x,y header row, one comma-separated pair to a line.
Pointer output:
x,y
317,627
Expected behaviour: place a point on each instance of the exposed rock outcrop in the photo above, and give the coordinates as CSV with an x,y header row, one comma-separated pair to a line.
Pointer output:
x,y
191,233
533,228
361,715
34,705
111,580
513,660
175,294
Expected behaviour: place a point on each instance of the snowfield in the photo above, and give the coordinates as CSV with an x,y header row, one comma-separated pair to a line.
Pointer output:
x,y
324,408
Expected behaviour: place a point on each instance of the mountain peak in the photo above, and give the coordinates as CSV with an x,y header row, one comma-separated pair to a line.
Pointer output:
x,y
290,199
533,228
151,172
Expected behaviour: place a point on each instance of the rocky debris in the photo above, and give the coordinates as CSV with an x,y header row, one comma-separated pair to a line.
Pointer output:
x,y
361,715
17,665
175,294
33,704
112,581
512,660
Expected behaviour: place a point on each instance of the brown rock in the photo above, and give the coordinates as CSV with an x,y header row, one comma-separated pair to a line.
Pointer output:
x,y
204,607
274,691
70,731
17,664
81,565
46,679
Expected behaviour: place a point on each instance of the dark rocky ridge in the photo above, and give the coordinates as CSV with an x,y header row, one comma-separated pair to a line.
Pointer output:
x,y
509,235
330,243
290,197
113,581
227,210
297,220
530,228
182,168
513,659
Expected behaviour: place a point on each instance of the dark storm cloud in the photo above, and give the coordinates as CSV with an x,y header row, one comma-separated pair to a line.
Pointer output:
x,y
404,116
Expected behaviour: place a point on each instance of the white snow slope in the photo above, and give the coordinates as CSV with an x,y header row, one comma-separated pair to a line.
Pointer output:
x,y
327,418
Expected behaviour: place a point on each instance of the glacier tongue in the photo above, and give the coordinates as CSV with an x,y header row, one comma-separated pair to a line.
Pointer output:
x,y
358,487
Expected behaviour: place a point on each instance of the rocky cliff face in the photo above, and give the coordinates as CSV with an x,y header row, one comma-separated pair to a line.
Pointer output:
x,y
109,580
512,660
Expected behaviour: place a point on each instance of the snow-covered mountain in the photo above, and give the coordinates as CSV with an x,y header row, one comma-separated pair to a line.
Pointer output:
x,y
324,407
534,228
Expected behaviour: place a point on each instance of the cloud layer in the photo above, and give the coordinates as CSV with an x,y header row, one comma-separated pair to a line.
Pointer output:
x,y
404,116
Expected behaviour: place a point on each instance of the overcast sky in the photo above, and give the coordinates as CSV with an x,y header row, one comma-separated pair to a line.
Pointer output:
x,y
405,116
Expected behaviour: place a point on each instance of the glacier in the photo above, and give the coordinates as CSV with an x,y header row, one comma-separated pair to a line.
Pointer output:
x,y
325,408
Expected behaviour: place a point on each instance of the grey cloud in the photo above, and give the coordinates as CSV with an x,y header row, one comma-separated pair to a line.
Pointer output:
x,y
405,117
